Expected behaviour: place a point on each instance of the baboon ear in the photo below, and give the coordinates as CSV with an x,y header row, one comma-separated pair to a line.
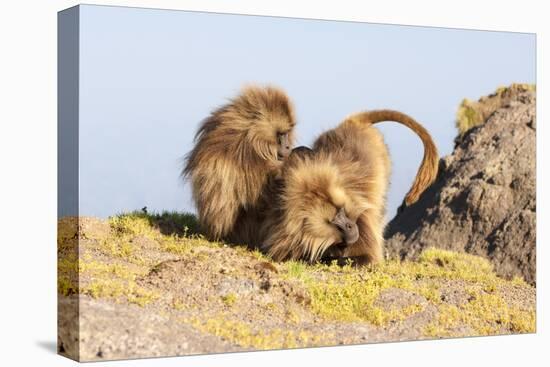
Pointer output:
x,y
296,155
301,152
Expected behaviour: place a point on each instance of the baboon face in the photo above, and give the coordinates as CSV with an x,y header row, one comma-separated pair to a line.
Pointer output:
x,y
272,137
272,121
322,206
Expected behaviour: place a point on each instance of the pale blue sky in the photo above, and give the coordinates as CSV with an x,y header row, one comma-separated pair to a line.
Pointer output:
x,y
148,77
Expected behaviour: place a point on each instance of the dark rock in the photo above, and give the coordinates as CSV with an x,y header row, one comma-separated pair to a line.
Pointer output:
x,y
483,201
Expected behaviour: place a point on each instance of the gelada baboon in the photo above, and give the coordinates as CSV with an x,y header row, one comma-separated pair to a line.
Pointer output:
x,y
332,201
238,149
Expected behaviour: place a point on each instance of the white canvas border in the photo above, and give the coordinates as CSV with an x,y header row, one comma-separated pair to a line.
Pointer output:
x,y
28,183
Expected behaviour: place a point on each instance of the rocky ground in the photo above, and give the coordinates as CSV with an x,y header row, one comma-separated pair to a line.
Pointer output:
x,y
148,285
484,200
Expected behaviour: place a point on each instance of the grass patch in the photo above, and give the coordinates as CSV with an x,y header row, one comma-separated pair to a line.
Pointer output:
x,y
140,222
297,270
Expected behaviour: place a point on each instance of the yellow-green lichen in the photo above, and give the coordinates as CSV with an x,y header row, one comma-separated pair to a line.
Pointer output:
x,y
98,269
349,294
115,288
351,297
131,224
102,280
297,270
110,267
229,299
180,305
174,245
66,285
474,113
143,223
468,116
121,247
485,314
242,334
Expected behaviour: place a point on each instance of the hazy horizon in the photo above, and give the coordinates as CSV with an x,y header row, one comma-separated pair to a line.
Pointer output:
x,y
148,77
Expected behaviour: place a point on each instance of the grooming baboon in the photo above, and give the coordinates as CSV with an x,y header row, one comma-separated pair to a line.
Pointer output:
x,y
332,200
238,149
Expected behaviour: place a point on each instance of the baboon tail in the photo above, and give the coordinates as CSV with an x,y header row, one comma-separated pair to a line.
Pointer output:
x,y
427,172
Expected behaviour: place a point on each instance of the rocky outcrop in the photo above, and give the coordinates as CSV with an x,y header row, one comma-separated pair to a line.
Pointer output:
x,y
484,200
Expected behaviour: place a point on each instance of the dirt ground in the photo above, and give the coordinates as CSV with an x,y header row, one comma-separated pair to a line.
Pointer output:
x,y
139,286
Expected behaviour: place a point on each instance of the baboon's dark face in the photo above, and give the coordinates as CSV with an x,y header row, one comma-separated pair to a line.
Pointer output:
x,y
321,207
347,227
330,220
272,137
284,145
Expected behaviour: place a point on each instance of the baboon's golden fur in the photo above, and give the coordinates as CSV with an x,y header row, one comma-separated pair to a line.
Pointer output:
x,y
348,168
234,157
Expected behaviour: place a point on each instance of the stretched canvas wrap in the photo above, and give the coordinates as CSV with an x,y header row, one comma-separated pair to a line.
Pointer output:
x,y
234,183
